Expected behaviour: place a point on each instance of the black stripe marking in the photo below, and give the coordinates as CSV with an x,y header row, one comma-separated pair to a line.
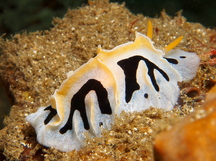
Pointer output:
x,y
171,60
52,114
130,66
182,57
78,103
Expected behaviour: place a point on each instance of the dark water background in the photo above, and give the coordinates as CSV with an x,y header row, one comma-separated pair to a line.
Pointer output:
x,y
32,15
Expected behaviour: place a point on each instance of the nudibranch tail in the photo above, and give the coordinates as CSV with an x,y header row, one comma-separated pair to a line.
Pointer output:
x,y
173,44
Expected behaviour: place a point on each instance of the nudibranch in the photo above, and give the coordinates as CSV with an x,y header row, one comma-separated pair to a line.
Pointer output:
x,y
131,77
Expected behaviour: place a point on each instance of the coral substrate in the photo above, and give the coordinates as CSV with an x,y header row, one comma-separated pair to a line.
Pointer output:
x,y
34,64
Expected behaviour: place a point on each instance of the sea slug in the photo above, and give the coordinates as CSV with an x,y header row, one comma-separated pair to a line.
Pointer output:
x,y
131,77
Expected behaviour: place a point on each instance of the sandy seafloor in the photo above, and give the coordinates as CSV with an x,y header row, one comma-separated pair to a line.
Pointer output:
x,y
34,64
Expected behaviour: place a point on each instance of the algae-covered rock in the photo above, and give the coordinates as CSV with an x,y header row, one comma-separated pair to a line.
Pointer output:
x,y
193,138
